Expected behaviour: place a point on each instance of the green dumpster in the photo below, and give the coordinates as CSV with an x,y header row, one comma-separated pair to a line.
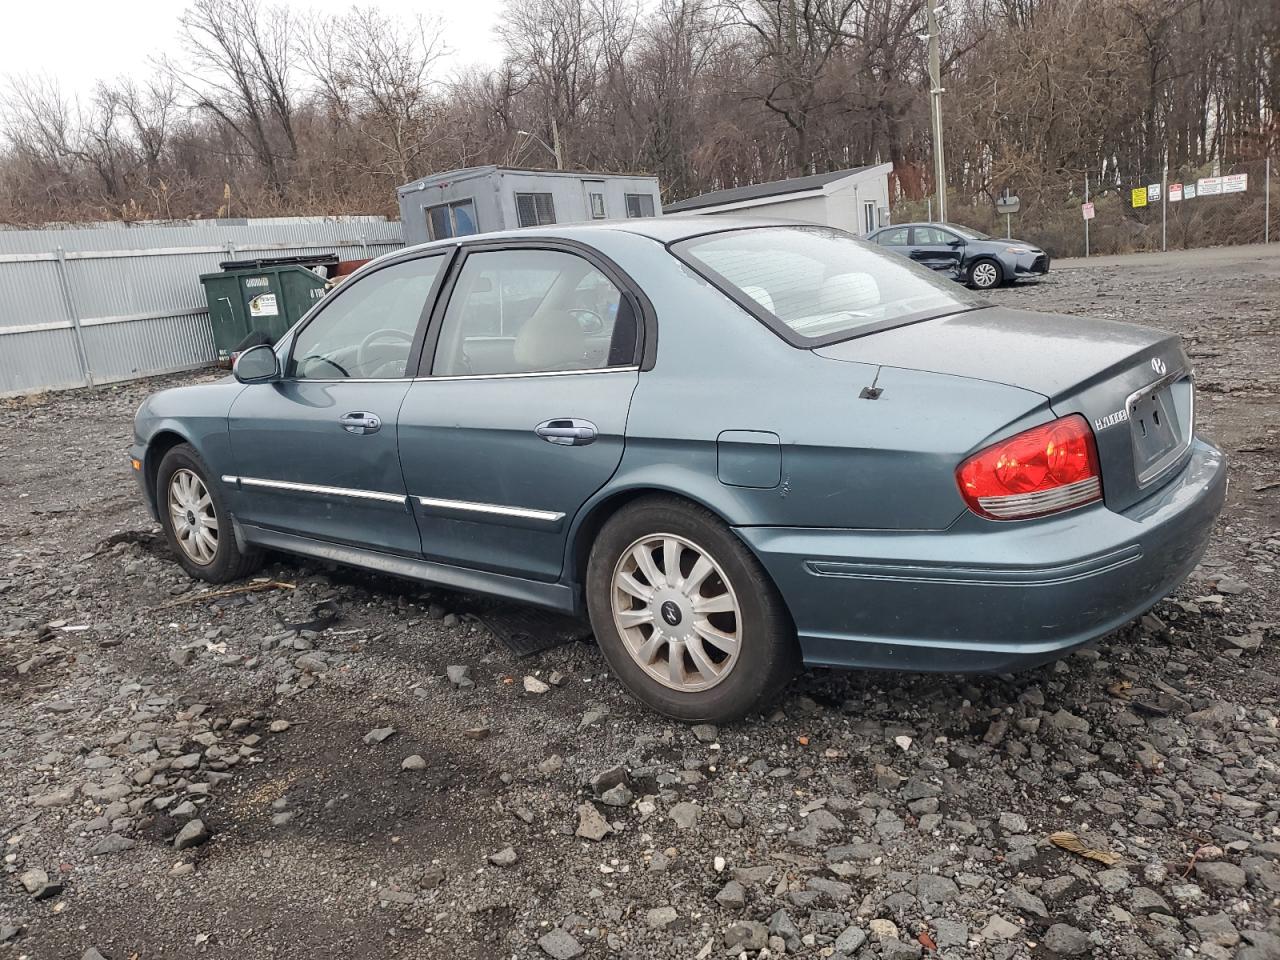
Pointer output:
x,y
262,296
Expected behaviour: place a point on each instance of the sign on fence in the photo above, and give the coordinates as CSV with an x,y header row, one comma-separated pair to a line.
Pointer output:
x,y
1189,192
1086,209
1139,196
1235,183
1209,186
1175,192
1153,192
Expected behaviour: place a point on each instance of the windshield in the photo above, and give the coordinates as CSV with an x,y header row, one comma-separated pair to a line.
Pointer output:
x,y
967,232
822,284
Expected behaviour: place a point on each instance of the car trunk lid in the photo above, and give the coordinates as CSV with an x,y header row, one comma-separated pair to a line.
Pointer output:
x,y
1131,383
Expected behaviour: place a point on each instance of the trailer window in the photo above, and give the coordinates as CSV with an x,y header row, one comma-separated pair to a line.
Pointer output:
x,y
457,219
535,209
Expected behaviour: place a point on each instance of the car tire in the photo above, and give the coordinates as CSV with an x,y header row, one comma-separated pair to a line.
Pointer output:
x,y
196,520
722,593
985,274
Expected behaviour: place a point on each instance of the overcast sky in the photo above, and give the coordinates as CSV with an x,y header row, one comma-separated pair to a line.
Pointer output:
x,y
81,41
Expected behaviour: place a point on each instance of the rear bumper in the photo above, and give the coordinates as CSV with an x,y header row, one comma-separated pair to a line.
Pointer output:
x,y
986,596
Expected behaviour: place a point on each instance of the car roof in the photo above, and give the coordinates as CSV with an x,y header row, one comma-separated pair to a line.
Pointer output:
x,y
664,229
913,223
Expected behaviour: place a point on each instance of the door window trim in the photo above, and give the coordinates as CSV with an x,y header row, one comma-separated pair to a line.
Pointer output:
x,y
289,340
646,327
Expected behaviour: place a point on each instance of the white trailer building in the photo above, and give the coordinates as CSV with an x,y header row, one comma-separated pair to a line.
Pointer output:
x,y
855,200
481,199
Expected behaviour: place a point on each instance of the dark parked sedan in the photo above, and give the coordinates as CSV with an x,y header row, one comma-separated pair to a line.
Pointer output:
x,y
735,445
965,254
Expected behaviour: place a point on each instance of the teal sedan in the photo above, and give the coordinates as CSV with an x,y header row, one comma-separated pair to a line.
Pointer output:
x,y
736,446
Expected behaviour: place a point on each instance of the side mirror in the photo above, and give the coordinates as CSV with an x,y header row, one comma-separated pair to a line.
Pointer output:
x,y
256,365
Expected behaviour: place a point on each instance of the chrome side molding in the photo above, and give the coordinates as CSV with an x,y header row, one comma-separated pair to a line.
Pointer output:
x,y
292,487
524,513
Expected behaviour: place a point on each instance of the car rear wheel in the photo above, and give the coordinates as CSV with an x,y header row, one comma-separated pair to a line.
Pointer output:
x,y
685,614
196,521
985,274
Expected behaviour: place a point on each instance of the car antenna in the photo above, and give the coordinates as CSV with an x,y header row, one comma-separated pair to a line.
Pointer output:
x,y
872,392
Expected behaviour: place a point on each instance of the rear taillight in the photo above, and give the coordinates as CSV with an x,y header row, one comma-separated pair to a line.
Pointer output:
x,y
1040,471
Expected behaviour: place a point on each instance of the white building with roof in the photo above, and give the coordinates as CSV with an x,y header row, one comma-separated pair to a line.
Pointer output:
x,y
856,200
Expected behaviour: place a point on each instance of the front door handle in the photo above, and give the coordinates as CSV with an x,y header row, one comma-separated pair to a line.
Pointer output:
x,y
361,423
568,432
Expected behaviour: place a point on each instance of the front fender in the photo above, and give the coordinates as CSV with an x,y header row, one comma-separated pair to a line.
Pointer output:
x,y
196,415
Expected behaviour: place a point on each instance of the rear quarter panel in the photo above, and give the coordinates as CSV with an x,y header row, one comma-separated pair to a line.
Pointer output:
x,y
846,462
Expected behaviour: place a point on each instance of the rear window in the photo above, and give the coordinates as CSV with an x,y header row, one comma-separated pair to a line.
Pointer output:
x,y
818,285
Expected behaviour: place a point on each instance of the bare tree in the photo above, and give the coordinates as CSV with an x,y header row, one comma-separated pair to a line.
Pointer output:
x,y
241,72
554,50
796,43
328,115
374,68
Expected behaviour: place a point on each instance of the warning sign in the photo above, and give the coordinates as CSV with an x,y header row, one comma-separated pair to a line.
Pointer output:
x,y
1175,192
263,305
1209,186
1235,183
1087,210
1153,193
1139,196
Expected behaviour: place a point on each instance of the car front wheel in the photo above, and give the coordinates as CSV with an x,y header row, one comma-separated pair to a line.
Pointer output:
x,y
685,614
196,521
985,274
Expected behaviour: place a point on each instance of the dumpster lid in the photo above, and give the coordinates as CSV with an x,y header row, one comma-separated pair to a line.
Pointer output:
x,y
312,260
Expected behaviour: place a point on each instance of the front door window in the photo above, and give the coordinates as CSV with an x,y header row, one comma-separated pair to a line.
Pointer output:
x,y
366,332
931,237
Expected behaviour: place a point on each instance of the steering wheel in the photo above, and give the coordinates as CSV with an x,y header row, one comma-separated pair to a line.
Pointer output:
x,y
588,320
333,363
362,351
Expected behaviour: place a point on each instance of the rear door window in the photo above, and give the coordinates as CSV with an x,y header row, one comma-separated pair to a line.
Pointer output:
x,y
533,311
892,238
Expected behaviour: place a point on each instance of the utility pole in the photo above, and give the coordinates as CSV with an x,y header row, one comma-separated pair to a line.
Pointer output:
x,y
555,138
1164,207
555,143
1086,219
935,101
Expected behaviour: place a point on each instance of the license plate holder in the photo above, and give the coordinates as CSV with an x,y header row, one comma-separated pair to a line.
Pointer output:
x,y
1156,432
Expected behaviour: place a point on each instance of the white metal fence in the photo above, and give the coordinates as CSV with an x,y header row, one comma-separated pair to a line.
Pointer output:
x,y
89,305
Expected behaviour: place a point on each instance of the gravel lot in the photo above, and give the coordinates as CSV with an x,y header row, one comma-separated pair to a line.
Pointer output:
x,y
184,778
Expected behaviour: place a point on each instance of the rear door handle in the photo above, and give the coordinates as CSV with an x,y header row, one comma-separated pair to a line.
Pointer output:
x,y
361,423
568,432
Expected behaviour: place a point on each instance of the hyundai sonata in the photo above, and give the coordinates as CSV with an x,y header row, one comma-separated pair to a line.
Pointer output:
x,y
735,445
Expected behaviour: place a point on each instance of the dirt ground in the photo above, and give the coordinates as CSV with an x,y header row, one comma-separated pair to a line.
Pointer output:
x,y
866,815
